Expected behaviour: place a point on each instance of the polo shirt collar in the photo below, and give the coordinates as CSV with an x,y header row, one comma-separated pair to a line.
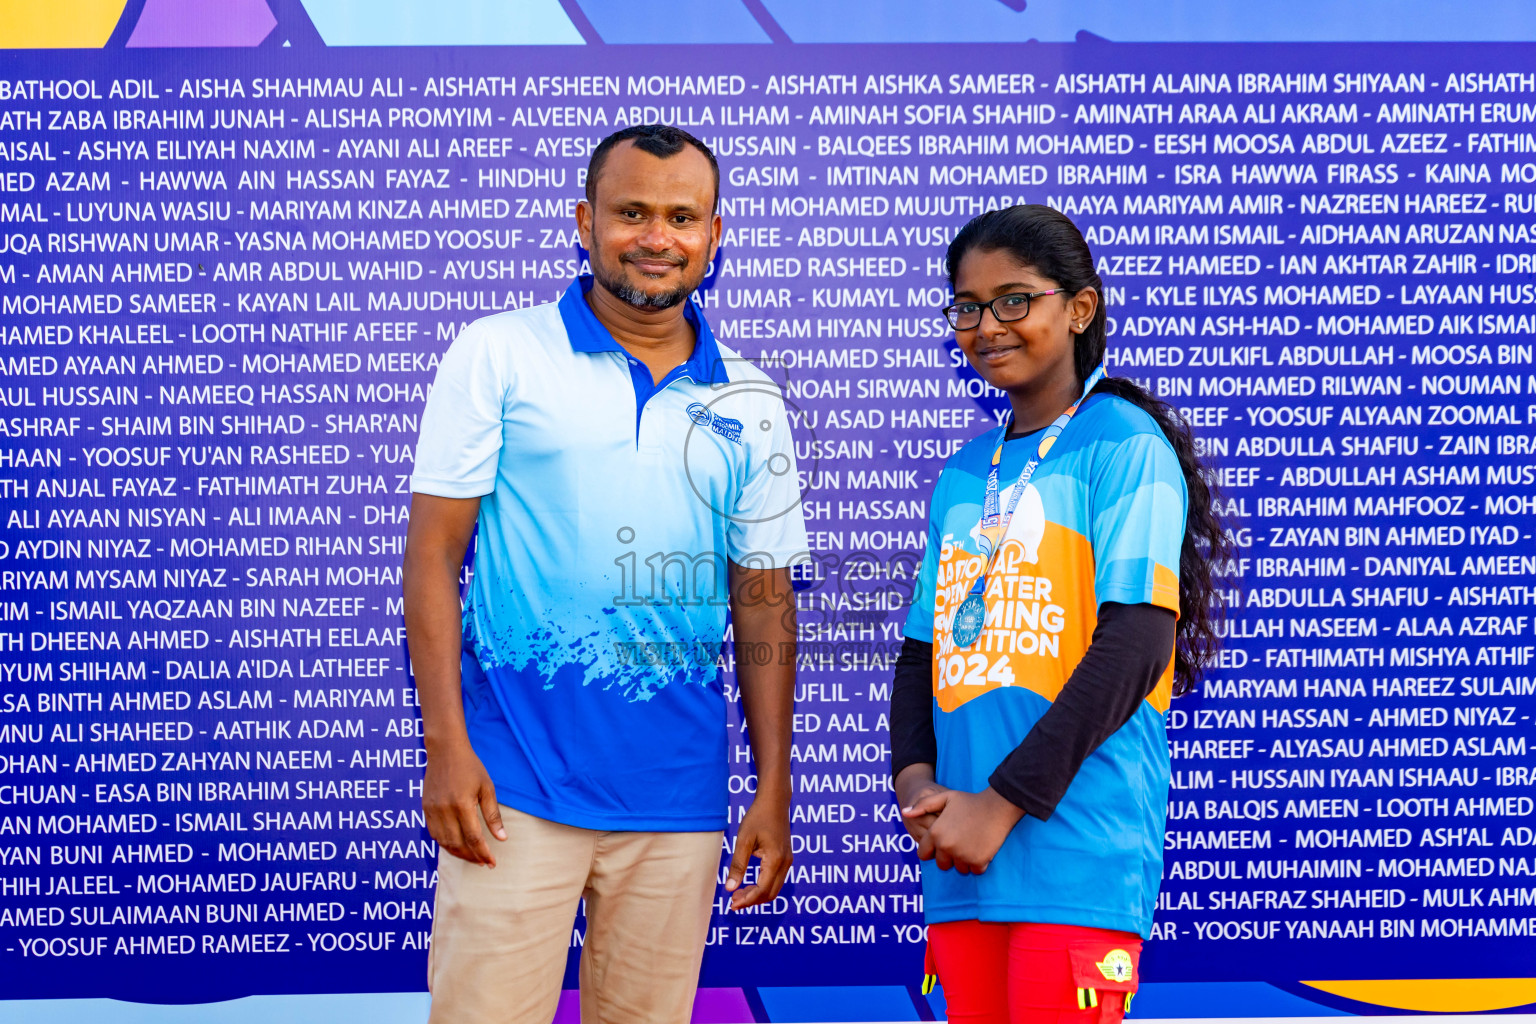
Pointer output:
x,y
587,334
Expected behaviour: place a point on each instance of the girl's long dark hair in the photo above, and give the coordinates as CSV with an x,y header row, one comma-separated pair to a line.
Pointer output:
x,y
1044,240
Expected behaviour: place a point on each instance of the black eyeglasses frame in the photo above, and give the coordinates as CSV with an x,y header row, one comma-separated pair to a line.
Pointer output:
x,y
951,313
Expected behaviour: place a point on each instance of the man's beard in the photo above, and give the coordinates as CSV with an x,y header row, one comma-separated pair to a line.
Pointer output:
x,y
636,296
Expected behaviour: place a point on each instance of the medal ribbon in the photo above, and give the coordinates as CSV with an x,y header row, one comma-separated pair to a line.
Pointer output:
x,y
994,528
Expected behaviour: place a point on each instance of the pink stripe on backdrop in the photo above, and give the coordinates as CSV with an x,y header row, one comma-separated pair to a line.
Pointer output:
x,y
569,1011
710,1006
721,1006
203,23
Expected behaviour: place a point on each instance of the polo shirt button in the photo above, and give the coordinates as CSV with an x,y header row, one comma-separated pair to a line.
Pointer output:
x,y
633,363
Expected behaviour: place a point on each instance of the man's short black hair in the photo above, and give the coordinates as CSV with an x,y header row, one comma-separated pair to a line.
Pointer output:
x,y
661,140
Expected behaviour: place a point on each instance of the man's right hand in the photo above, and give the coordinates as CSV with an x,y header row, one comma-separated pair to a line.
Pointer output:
x,y
457,792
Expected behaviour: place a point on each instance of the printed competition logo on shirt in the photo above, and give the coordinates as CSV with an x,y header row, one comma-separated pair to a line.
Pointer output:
x,y
1040,599
1028,629
723,425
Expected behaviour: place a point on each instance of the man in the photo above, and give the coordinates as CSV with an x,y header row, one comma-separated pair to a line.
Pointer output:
x,y
628,476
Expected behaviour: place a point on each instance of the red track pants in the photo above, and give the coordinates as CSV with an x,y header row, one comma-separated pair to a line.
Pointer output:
x,y
995,973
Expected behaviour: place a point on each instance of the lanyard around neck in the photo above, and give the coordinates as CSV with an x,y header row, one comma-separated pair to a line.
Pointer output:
x,y
994,527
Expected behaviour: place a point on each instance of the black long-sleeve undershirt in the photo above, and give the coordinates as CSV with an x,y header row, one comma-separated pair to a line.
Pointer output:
x,y
1129,650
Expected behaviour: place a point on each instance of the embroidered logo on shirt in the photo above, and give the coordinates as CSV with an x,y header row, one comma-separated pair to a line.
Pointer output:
x,y
723,425
1117,966
727,428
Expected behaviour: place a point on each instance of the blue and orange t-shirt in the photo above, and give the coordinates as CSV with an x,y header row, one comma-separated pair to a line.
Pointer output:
x,y
1102,520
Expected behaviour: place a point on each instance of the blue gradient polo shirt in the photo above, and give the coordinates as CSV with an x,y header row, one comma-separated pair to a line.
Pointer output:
x,y
1102,520
609,508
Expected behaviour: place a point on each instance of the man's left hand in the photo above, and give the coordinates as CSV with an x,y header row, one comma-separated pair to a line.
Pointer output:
x,y
969,830
765,832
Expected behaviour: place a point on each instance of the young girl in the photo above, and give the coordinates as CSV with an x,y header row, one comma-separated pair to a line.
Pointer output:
x,y
1064,597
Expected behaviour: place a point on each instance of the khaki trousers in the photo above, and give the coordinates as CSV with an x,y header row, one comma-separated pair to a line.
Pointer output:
x,y
500,936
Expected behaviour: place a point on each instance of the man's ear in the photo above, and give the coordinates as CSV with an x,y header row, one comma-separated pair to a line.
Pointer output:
x,y
716,232
584,224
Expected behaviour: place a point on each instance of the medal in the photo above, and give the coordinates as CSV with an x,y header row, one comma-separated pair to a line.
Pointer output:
x,y
969,620
971,617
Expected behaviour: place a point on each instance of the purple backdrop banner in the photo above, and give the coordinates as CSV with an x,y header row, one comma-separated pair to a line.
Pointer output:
x,y
226,282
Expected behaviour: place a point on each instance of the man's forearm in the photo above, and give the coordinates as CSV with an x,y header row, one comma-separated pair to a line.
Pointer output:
x,y
768,705
432,628
433,623
763,617
457,793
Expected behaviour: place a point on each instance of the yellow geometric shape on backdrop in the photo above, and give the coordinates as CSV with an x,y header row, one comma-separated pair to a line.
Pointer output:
x,y
56,24
1437,995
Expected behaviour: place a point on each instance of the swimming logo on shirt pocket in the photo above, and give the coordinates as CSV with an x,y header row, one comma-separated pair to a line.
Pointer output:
x,y
726,427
